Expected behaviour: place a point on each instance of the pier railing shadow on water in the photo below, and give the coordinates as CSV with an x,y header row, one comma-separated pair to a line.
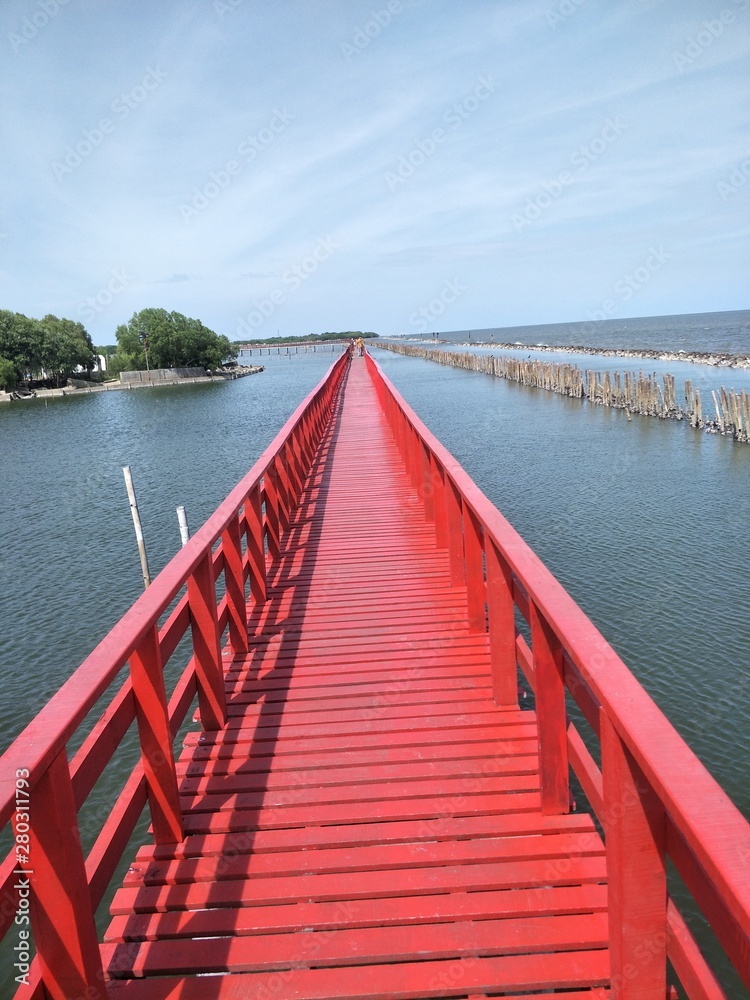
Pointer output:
x,y
42,791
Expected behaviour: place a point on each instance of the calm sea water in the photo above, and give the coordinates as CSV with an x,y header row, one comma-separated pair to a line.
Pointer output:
x,y
725,332
646,523
68,560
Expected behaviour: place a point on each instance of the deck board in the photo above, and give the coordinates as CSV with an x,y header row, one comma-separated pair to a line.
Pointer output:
x,y
368,824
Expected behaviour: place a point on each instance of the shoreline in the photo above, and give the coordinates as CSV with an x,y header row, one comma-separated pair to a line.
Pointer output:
x,y
715,359
86,390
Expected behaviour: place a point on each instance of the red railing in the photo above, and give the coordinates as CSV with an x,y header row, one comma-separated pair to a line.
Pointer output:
x,y
48,889
653,798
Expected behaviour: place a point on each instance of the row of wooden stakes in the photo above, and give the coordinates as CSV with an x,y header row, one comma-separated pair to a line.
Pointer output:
x,y
640,393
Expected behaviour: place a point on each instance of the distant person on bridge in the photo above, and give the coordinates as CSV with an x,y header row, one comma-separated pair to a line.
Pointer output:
x,y
360,346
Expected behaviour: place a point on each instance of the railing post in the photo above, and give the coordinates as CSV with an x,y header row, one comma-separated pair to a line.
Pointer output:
x,y
284,504
475,589
394,419
455,533
157,753
62,918
311,429
231,547
204,623
428,487
415,458
255,547
295,468
305,440
635,839
403,430
441,515
502,623
273,523
549,693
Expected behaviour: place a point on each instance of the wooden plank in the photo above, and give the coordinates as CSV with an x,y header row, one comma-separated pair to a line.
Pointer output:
x,y
268,729
366,834
284,690
358,885
335,760
415,980
373,774
198,746
246,865
383,912
461,939
303,709
371,794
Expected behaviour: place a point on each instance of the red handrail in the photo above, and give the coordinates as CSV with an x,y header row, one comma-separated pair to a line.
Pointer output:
x,y
41,791
653,797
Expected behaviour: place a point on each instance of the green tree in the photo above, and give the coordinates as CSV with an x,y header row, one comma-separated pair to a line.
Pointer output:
x,y
21,343
66,346
171,340
8,375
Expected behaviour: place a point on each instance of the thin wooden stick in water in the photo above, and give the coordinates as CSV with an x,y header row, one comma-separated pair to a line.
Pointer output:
x,y
137,525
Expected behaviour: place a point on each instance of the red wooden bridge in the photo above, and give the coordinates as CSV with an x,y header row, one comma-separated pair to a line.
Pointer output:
x,y
364,810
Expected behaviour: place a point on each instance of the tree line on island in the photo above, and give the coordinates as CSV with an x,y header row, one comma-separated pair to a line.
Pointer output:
x,y
51,349
155,338
311,338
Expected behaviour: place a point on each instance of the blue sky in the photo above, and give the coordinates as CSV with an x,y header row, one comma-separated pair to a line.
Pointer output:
x,y
388,165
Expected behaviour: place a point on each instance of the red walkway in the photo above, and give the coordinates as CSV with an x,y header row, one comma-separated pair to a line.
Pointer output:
x,y
369,823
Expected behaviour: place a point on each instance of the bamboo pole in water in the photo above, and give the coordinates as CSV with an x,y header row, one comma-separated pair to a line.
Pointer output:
x,y
137,525
642,394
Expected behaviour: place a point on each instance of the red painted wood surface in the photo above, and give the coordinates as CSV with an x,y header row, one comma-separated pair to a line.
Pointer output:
x,y
365,811
368,805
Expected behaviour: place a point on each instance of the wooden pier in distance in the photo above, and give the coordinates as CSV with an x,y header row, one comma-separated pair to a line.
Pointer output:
x,y
366,812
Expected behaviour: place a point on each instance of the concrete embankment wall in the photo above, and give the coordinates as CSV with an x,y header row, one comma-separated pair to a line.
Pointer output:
x,y
162,374
77,387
